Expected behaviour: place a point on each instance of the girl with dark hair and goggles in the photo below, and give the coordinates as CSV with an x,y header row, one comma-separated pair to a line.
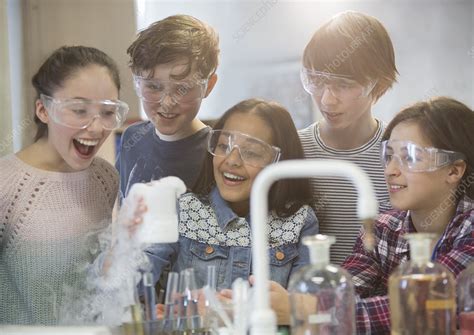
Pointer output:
x,y
415,158
252,150
80,113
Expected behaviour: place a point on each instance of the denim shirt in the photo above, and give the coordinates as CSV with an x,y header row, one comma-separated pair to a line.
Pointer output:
x,y
210,233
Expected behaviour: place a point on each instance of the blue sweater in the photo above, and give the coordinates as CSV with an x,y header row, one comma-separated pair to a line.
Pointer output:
x,y
145,157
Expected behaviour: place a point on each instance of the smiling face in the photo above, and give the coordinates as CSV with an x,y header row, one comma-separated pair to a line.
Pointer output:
x,y
415,191
233,177
74,149
174,115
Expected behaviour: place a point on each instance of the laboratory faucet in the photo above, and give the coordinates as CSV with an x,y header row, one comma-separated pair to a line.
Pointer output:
x,y
263,320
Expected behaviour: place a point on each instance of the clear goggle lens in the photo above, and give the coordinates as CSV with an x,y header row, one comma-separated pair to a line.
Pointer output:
x,y
414,158
155,90
253,151
342,87
80,113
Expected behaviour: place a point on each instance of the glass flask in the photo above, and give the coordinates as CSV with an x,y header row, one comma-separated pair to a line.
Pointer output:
x,y
422,294
322,297
466,300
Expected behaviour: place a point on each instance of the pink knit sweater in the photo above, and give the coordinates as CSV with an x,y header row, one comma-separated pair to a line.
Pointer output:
x,y
48,222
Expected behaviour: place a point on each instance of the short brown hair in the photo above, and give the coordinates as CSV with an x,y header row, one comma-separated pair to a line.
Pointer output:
x,y
286,196
448,124
354,44
174,38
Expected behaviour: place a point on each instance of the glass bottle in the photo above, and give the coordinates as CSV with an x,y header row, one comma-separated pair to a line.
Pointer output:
x,y
422,294
322,297
466,300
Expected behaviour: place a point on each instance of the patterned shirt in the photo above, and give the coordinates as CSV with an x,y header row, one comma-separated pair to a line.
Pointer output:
x,y
371,270
213,222
211,234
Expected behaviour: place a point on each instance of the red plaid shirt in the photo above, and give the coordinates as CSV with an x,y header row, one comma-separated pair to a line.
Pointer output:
x,y
370,270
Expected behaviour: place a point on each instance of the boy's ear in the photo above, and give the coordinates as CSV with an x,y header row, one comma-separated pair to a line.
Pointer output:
x,y
41,111
456,171
210,84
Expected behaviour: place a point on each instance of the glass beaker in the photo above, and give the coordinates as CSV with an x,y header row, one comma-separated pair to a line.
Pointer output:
x,y
322,296
422,294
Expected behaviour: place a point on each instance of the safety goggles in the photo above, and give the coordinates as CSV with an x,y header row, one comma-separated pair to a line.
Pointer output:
x,y
342,87
155,90
80,113
414,158
253,151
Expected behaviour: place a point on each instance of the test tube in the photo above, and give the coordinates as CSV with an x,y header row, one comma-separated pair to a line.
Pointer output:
x,y
170,301
240,300
211,283
187,283
211,277
150,312
136,310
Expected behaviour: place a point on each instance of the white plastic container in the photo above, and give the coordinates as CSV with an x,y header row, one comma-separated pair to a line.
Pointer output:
x,y
160,222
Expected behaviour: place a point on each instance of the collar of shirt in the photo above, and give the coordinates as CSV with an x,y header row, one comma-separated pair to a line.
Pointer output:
x,y
224,214
465,205
402,223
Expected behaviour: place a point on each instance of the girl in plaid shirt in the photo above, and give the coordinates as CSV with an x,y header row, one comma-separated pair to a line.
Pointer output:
x,y
428,157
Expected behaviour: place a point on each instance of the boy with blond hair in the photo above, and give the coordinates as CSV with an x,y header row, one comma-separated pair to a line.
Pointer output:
x,y
348,64
173,63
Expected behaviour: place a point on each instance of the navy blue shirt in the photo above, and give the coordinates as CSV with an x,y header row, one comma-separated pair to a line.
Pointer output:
x,y
145,157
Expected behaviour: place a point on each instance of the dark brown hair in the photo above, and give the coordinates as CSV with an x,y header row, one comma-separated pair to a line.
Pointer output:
x,y
61,65
172,39
357,45
286,196
448,124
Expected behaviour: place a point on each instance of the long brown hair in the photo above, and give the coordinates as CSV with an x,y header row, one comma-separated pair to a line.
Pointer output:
x,y
286,196
448,124
62,64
